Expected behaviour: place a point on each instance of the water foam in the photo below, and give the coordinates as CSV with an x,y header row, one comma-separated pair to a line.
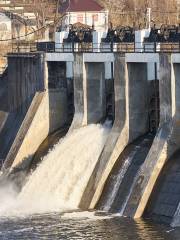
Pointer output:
x,y
87,216
60,180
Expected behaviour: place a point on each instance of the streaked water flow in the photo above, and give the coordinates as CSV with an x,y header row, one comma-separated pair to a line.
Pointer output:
x,y
59,181
57,185
117,180
119,185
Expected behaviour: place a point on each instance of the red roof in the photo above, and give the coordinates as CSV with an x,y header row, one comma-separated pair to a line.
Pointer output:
x,y
80,6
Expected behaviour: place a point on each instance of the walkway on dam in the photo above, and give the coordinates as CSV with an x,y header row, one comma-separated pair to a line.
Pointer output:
x,y
136,47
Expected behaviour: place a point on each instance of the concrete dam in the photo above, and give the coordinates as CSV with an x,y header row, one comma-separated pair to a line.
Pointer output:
x,y
117,148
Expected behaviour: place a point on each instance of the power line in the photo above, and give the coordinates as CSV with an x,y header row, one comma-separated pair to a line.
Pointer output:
x,y
37,30
56,20
25,22
140,10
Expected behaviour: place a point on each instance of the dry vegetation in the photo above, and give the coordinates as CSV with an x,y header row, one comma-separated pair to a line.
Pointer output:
x,y
133,12
122,12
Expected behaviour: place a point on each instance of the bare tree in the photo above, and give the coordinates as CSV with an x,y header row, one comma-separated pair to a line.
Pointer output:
x,y
123,12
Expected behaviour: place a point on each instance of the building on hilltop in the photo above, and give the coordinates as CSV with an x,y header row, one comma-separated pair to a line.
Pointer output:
x,y
86,12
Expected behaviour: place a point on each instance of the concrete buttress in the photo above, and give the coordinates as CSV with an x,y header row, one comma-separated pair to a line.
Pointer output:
x,y
129,109
165,144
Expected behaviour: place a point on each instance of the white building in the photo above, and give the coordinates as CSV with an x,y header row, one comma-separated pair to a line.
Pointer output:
x,y
86,12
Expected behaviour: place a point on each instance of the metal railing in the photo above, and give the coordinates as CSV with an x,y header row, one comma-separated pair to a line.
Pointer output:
x,y
51,47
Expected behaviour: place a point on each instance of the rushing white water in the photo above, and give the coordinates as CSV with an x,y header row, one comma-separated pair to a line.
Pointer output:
x,y
87,215
60,180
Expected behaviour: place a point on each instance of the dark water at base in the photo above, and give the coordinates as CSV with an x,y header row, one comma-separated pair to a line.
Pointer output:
x,y
75,226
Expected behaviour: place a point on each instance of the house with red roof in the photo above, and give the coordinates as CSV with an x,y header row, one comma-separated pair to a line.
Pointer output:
x,y
87,12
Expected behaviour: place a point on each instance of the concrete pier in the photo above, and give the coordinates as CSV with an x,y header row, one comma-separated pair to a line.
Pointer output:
x,y
165,144
130,110
25,77
36,109
46,114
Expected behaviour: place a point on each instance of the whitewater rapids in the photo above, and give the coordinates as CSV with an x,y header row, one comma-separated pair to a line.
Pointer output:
x,y
59,181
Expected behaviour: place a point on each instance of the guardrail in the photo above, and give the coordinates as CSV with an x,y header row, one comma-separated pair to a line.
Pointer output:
x,y
146,47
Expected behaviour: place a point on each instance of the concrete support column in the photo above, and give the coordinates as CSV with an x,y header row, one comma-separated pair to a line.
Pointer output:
x,y
120,128
176,112
129,107
25,78
80,117
165,143
45,113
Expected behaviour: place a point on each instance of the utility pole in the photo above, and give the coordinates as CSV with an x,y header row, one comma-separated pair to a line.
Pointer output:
x,y
148,18
178,11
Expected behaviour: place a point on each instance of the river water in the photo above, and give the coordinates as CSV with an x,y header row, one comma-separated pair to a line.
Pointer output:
x,y
83,225
39,211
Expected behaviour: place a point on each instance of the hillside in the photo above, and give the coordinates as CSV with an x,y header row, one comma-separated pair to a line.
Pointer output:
x,y
122,12
129,12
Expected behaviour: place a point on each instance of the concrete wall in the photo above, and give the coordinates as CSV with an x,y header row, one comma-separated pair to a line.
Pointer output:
x,y
34,110
124,130
4,91
108,72
164,200
47,113
165,143
176,113
138,99
79,93
57,75
22,131
96,106
25,78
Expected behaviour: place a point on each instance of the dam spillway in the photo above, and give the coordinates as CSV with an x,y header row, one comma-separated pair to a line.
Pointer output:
x,y
131,117
55,190
119,184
